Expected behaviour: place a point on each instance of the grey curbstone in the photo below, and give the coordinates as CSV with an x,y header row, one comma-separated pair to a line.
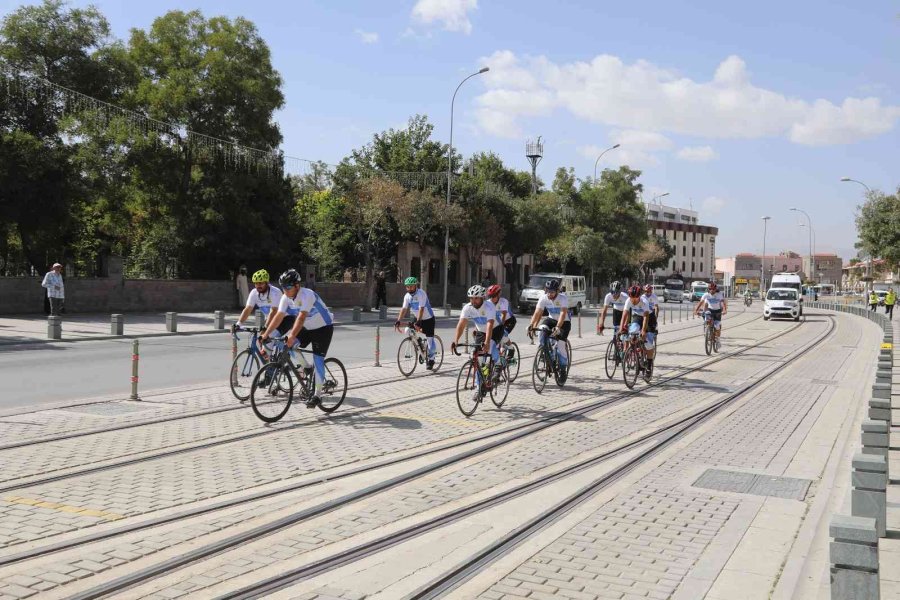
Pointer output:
x,y
869,495
880,409
881,391
117,324
357,314
854,558
172,322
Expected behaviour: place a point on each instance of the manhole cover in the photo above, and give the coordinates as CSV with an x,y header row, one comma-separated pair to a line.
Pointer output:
x,y
751,483
107,409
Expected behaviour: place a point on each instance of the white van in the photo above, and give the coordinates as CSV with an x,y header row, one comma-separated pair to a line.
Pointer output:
x,y
789,280
573,286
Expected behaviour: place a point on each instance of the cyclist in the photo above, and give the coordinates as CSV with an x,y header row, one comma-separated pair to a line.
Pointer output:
x,y
304,318
653,325
265,297
555,305
637,320
715,301
483,314
416,303
616,299
506,320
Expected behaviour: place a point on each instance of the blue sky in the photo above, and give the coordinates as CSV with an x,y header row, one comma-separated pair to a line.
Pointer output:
x,y
737,109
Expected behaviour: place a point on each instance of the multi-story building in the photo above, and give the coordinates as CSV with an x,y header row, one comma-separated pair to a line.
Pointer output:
x,y
743,270
827,268
694,244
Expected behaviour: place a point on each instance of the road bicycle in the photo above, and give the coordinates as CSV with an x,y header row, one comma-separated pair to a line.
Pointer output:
x,y
477,380
413,351
614,351
277,381
634,361
547,359
246,364
710,339
509,350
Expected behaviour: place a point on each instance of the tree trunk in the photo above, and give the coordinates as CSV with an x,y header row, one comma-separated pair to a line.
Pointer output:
x,y
423,266
514,282
370,280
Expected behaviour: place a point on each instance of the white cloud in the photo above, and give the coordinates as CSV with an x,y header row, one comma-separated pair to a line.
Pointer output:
x,y
713,205
697,153
643,96
641,140
453,15
633,157
367,37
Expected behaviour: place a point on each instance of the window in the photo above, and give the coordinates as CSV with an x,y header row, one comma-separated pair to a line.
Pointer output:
x,y
685,218
692,267
694,237
684,250
654,214
684,236
674,266
701,251
682,266
669,215
702,235
783,268
701,268
693,251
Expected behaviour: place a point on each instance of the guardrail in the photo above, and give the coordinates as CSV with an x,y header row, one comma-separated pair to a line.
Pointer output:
x,y
854,539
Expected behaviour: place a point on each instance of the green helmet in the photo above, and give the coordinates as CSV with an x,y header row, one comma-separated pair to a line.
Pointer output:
x,y
261,276
411,281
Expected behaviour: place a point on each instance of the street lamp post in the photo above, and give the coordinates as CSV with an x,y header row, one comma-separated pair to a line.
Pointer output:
x,y
812,258
450,181
597,162
762,262
663,195
871,258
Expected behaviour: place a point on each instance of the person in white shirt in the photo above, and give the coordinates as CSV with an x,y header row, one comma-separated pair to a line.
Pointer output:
x,y
305,319
616,299
240,284
636,319
56,289
506,320
416,303
264,297
653,325
483,315
715,301
555,306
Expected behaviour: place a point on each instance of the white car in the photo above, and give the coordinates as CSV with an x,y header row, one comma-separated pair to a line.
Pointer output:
x,y
782,302
686,295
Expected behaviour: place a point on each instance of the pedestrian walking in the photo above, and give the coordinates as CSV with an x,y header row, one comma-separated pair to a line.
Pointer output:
x,y
380,290
873,301
889,301
241,285
311,281
56,289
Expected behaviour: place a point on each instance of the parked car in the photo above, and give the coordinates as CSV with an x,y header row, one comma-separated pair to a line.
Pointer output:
x,y
686,295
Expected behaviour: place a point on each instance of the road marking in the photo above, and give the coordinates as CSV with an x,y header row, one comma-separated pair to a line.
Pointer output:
x,y
84,512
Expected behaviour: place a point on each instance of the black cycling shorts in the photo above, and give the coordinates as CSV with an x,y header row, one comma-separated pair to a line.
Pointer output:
x,y
564,329
652,325
427,326
319,338
617,318
286,324
509,325
497,334
716,314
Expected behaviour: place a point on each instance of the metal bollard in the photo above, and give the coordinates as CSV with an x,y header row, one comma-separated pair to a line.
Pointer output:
x,y
869,495
259,320
357,314
233,356
219,319
172,322
854,558
382,312
468,350
117,324
54,328
599,324
135,359
447,312
378,345
579,324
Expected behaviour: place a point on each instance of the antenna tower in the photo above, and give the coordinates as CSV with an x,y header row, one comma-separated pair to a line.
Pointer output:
x,y
534,150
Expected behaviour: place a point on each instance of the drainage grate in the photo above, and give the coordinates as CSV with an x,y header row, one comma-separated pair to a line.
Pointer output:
x,y
751,483
108,409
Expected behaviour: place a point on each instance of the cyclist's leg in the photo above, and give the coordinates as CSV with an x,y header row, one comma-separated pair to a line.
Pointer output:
x,y
321,341
496,338
617,319
564,330
428,330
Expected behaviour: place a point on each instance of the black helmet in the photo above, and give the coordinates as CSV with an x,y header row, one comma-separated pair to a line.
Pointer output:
x,y
289,279
616,287
551,285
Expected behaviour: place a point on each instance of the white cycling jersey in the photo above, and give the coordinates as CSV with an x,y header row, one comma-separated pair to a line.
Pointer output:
x,y
554,307
637,310
265,302
317,314
417,300
652,299
713,301
616,303
502,306
480,316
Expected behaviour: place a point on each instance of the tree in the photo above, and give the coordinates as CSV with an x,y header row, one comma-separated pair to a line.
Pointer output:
x,y
654,253
366,215
878,226
328,240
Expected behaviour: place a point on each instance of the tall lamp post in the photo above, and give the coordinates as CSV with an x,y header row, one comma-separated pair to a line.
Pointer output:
x,y
597,162
450,180
655,198
812,258
871,258
762,262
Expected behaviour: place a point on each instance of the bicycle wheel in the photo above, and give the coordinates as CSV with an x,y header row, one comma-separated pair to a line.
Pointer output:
x,y
438,353
513,361
540,370
708,339
611,360
243,369
334,390
272,392
467,393
500,389
630,367
407,357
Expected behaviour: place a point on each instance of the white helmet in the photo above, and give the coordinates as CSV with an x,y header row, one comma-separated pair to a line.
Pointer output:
x,y
476,291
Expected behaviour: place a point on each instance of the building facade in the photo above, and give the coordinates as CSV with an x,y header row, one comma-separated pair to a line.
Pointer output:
x,y
694,244
827,268
742,271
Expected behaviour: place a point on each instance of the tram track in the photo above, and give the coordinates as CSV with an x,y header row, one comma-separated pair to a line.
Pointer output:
x,y
195,555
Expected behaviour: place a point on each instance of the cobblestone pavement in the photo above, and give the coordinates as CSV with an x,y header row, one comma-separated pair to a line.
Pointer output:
x,y
381,420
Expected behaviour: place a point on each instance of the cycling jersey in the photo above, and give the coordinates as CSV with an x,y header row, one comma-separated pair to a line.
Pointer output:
x,y
416,301
652,299
554,307
616,303
317,315
480,316
713,301
265,302
637,310
503,305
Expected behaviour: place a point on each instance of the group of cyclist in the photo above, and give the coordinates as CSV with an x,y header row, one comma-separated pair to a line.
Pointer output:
x,y
299,315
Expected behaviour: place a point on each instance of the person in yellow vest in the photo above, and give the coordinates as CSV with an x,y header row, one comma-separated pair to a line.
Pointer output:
x,y
889,302
873,301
